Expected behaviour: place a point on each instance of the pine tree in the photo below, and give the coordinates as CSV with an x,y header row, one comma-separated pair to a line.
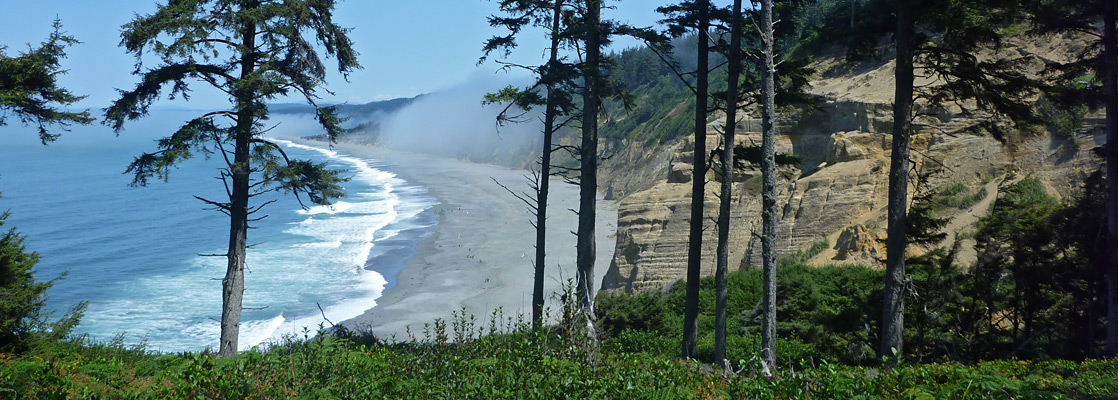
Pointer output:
x,y
29,86
722,253
1090,77
22,319
769,212
694,14
253,50
943,47
593,85
556,80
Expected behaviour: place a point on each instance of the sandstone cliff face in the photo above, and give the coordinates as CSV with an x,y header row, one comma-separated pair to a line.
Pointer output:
x,y
839,194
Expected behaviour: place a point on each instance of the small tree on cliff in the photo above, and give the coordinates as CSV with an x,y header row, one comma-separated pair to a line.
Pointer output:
x,y
556,80
253,50
29,86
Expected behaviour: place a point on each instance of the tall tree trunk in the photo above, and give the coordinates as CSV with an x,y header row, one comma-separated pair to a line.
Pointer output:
x,y
1110,52
768,186
588,174
545,173
698,190
233,285
892,319
723,251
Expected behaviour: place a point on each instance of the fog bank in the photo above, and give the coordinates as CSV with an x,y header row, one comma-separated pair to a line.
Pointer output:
x,y
454,123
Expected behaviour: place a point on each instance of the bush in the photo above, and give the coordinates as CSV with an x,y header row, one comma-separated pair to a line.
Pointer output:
x,y
23,323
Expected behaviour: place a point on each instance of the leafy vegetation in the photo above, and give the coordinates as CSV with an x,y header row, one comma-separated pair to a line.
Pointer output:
x,y
24,324
517,364
958,195
1031,295
826,333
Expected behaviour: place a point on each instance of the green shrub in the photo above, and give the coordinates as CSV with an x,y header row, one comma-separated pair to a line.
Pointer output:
x,y
23,322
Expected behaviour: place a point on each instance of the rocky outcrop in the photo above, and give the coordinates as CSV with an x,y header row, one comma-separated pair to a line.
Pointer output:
x,y
857,244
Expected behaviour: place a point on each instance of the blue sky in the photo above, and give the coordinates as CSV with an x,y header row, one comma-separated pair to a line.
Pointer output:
x,y
407,47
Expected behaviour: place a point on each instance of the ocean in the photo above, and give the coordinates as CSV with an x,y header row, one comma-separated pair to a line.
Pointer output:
x,y
138,255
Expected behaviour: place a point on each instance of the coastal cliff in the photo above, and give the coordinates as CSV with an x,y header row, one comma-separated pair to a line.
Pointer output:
x,y
838,194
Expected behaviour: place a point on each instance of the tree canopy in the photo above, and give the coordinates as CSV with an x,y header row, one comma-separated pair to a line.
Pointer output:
x,y
29,86
254,51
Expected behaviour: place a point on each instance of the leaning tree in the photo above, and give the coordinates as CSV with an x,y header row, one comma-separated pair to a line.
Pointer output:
x,y
253,51
29,86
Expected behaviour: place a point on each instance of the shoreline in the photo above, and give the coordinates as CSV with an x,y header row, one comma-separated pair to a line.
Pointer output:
x,y
478,256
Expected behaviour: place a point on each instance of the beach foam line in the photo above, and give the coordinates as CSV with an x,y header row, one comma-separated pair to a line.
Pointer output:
x,y
352,227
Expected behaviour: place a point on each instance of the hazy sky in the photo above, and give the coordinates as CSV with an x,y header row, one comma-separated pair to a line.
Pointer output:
x,y
407,47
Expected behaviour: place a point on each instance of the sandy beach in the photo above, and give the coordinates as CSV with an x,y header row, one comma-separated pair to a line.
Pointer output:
x,y
479,255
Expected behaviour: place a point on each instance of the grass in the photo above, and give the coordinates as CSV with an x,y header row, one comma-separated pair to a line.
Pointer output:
x,y
523,364
958,196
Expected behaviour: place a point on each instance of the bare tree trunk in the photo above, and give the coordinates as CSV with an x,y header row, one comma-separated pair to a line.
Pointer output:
x,y
892,319
853,3
588,173
545,174
233,285
698,191
768,187
723,251
1110,53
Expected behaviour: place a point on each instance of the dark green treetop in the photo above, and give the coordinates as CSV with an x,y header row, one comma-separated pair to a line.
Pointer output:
x,y
29,86
23,322
199,40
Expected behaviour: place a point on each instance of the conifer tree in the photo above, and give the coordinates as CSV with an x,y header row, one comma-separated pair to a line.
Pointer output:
x,y
769,212
694,14
722,253
942,47
29,86
593,85
555,80
1091,77
254,51
22,319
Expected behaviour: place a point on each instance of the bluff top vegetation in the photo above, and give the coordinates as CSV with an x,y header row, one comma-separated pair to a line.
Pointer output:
x,y
1036,316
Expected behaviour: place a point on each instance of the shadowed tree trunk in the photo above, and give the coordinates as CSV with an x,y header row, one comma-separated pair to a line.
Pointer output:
x,y
545,174
588,173
892,319
768,186
723,251
1110,54
698,190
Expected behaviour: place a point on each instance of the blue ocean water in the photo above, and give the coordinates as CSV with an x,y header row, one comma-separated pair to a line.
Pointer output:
x,y
136,254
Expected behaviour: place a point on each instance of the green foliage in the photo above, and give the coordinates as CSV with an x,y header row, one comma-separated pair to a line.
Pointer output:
x,y
1064,120
29,86
801,256
1032,290
195,42
752,155
23,322
957,196
512,365
826,313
